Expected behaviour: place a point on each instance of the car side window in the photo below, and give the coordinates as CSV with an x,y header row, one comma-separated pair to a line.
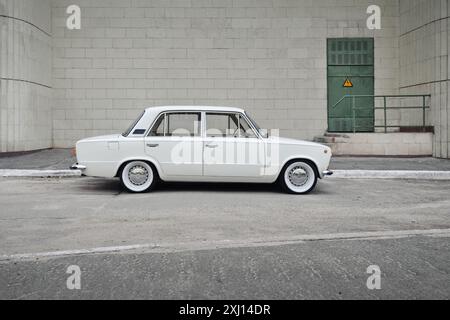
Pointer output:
x,y
183,124
158,128
245,131
222,125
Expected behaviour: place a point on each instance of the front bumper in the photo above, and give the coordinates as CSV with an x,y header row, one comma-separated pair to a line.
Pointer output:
x,y
77,166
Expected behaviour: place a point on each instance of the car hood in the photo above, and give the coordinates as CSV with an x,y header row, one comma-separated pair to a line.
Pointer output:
x,y
111,137
293,142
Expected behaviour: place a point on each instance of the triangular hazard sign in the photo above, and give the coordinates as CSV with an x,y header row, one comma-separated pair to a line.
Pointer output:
x,y
348,83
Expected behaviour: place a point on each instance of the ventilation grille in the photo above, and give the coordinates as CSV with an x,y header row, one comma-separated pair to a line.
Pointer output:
x,y
350,52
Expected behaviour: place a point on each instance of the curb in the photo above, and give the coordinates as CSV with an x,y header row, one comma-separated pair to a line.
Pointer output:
x,y
391,174
5,173
338,174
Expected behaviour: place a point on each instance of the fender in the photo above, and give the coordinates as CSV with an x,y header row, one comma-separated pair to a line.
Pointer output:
x,y
299,157
140,158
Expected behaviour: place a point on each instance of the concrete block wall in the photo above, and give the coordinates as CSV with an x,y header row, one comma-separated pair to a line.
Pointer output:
x,y
25,75
268,56
424,67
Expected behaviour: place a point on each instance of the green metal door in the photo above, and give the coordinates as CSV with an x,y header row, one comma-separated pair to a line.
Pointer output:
x,y
350,72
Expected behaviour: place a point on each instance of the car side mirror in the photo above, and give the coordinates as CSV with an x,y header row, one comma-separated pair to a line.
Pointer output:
x,y
265,133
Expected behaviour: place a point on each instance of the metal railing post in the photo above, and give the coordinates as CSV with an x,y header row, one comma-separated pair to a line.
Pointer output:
x,y
385,108
424,113
385,114
354,114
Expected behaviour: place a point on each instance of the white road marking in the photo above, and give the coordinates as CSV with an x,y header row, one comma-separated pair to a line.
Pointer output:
x,y
194,246
75,252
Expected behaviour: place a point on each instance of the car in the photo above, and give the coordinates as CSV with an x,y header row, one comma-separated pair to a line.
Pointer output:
x,y
202,144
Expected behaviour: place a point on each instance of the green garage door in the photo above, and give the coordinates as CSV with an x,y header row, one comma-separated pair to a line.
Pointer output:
x,y
350,72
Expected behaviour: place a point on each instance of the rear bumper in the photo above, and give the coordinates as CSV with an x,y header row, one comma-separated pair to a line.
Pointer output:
x,y
100,169
76,166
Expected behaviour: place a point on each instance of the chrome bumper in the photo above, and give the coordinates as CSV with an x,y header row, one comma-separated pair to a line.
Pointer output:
x,y
76,166
328,173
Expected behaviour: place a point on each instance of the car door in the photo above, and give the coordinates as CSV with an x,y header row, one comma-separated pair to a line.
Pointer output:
x,y
175,142
232,148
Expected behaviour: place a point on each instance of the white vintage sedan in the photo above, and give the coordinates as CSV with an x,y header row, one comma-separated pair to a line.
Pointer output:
x,y
202,144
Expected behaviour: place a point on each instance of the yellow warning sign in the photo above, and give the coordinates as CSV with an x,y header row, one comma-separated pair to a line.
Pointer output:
x,y
348,83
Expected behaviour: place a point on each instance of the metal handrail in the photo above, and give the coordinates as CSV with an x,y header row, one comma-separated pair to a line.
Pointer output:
x,y
424,107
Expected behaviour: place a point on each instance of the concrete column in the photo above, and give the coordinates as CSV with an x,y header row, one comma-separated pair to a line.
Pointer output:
x,y
424,64
25,75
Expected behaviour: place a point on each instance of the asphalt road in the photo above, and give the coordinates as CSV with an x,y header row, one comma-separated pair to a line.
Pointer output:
x,y
410,269
224,242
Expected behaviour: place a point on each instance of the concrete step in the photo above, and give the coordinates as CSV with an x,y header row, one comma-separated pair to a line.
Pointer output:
x,y
379,144
336,135
332,138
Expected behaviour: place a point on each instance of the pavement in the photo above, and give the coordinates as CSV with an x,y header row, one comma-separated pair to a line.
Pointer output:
x,y
213,241
391,164
50,159
226,241
410,269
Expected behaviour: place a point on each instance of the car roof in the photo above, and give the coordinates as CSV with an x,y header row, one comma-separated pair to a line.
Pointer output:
x,y
193,108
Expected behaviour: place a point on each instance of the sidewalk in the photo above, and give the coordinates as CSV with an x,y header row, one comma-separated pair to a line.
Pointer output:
x,y
58,161
52,159
45,163
409,164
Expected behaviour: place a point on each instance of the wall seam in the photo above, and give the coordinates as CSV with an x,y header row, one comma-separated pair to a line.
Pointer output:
x,y
423,26
423,83
27,81
448,124
27,22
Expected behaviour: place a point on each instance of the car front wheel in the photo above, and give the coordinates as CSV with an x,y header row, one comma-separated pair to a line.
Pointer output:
x,y
299,177
138,176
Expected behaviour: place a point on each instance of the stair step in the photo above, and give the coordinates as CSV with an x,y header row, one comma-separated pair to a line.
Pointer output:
x,y
326,139
319,139
336,135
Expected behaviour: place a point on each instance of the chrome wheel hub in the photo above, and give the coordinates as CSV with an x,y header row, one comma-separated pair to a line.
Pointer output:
x,y
298,176
138,175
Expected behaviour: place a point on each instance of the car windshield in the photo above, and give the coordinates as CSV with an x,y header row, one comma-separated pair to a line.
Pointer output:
x,y
254,124
127,133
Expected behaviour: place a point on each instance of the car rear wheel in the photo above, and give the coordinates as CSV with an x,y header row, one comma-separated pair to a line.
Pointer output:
x,y
299,177
138,176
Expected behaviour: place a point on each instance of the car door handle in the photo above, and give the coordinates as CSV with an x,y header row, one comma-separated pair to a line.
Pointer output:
x,y
212,145
152,145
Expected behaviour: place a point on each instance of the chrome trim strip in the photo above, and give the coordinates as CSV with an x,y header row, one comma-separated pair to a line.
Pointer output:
x,y
76,166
